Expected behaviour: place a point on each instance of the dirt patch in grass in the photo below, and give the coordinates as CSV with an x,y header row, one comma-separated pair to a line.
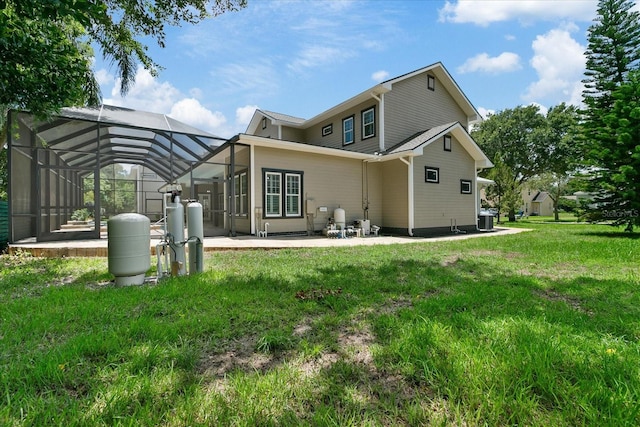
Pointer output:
x,y
450,260
573,302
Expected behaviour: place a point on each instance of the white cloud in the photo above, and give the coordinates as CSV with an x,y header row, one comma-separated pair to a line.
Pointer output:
x,y
146,94
503,63
189,110
252,77
559,62
380,76
153,95
485,112
543,110
244,114
318,55
104,77
526,11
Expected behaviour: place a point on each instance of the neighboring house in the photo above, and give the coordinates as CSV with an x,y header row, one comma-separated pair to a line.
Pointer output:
x,y
537,203
398,154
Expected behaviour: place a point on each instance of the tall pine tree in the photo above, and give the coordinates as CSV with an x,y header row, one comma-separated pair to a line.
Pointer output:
x,y
612,54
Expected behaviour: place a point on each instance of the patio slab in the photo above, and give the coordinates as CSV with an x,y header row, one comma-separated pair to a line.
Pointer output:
x,y
98,247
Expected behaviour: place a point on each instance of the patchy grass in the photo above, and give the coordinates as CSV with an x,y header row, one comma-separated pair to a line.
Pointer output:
x,y
539,328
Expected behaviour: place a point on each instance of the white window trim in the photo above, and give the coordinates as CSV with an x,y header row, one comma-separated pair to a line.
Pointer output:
x,y
241,197
426,174
431,82
283,194
372,123
447,143
464,182
267,194
344,130
298,195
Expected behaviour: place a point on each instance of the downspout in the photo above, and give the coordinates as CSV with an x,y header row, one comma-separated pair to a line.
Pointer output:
x,y
252,189
478,200
409,163
380,100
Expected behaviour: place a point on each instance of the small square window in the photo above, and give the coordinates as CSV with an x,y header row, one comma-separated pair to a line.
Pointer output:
x,y
431,174
327,130
431,82
465,186
447,143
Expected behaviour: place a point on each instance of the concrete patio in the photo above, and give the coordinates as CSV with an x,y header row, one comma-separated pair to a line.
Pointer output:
x,y
98,247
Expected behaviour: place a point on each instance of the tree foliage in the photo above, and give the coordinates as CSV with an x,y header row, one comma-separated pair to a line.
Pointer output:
x,y
610,119
45,44
519,136
530,145
505,194
619,182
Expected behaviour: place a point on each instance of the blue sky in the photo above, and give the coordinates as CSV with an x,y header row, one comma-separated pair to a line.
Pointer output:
x,y
303,57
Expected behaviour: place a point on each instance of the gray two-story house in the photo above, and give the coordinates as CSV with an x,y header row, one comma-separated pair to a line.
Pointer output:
x,y
398,154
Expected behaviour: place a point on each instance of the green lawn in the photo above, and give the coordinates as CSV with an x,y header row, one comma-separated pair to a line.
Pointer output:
x,y
540,328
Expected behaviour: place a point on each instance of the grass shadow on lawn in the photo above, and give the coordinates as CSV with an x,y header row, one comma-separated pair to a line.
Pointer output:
x,y
613,235
402,335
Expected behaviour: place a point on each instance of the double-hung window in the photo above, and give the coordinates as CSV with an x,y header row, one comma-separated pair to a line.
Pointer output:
x,y
273,193
282,194
348,132
240,193
369,123
293,195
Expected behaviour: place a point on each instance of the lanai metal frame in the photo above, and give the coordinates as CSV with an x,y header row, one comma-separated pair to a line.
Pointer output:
x,y
48,160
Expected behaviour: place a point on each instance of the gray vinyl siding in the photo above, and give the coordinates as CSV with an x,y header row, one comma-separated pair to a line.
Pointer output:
x,y
271,131
373,192
369,145
410,107
435,205
395,194
330,181
292,134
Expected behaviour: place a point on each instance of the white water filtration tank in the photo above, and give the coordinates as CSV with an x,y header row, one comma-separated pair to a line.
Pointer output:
x,y
339,218
129,248
175,227
195,235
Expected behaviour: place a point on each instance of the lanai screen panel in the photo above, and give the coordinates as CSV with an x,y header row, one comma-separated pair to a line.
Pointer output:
x,y
50,161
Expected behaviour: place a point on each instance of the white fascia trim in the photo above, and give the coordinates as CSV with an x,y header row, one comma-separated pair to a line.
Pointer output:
x,y
259,141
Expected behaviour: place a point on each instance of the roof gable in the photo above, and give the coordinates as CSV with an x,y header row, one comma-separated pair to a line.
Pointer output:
x,y
440,72
275,118
415,144
437,69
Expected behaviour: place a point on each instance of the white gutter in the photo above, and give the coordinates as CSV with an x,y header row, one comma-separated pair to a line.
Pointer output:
x,y
409,163
381,130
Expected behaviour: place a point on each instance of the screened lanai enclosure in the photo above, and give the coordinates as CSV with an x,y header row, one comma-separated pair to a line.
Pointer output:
x,y
70,174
